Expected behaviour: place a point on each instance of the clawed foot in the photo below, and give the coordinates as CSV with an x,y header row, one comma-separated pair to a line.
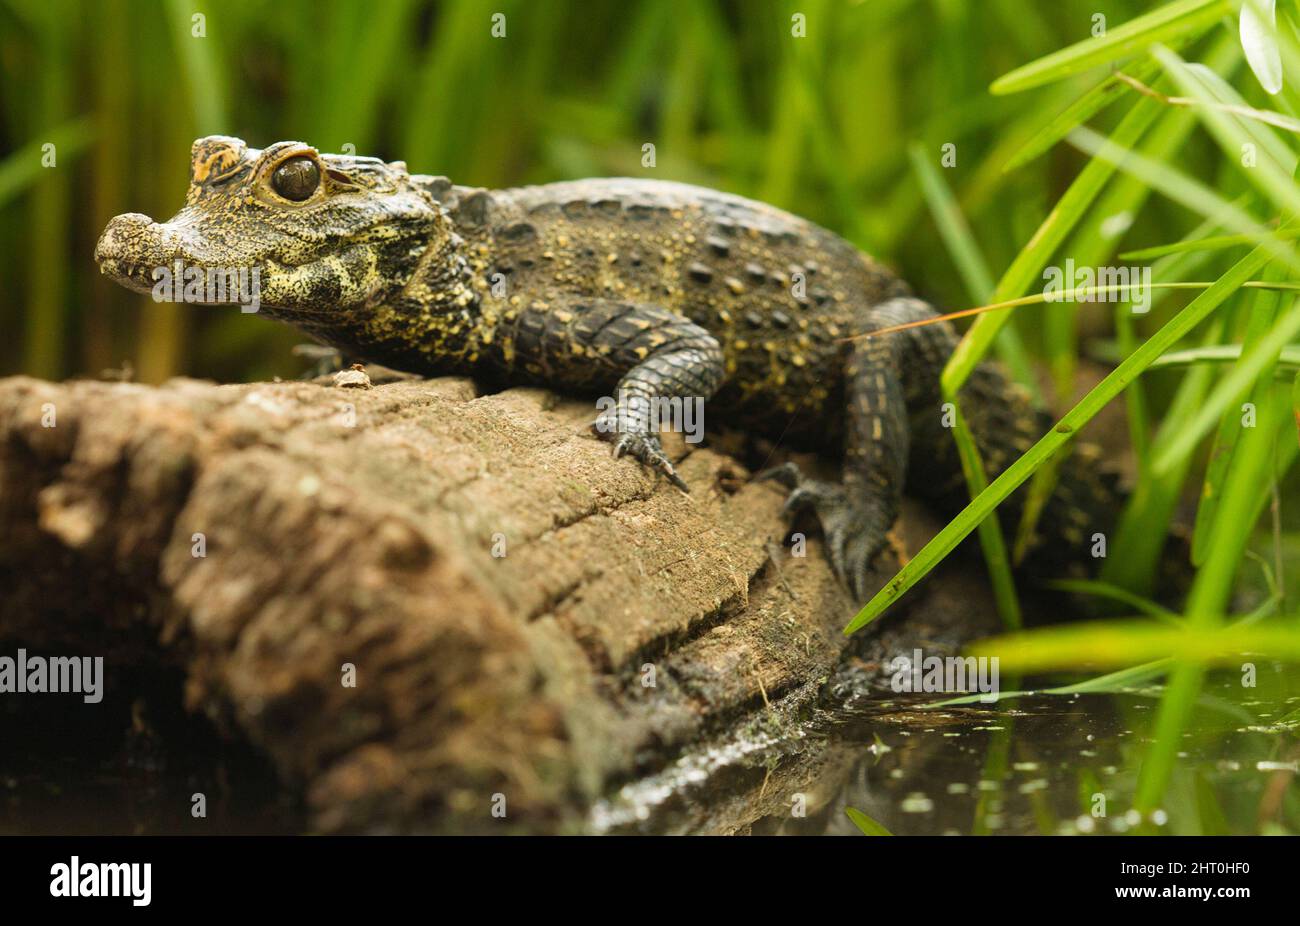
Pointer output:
x,y
643,447
854,530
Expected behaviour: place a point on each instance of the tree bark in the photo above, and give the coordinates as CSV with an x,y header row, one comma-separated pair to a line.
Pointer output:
x,y
422,603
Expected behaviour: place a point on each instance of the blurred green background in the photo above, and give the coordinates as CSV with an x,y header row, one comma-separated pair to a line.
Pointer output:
x,y
819,124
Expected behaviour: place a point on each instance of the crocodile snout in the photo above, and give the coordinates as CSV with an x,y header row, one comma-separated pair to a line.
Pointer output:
x,y
130,248
125,234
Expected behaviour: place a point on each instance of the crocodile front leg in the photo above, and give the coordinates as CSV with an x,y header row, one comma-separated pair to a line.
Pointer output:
x,y
647,353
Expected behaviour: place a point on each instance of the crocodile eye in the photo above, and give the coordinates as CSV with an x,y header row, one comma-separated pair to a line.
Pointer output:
x,y
296,179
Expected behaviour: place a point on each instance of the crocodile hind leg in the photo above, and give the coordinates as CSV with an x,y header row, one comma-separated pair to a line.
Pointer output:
x,y
885,378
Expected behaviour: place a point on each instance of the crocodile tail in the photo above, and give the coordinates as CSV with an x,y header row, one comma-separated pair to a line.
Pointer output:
x,y
1085,500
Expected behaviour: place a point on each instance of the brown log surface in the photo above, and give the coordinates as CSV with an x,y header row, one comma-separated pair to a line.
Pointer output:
x,y
370,543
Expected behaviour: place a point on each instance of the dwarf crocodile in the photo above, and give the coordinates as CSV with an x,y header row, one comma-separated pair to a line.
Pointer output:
x,y
630,287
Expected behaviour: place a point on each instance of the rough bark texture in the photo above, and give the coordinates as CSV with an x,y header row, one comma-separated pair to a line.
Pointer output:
x,y
358,527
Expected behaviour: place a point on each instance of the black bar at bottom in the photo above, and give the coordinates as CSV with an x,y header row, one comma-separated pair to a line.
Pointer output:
x,y
331,875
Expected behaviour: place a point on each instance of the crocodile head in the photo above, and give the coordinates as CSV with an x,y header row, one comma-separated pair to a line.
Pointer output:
x,y
314,236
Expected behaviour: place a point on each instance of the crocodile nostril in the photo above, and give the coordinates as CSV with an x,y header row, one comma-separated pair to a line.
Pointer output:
x,y
124,233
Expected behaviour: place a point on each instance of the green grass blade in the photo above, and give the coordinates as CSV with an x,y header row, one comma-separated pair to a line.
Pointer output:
x,y
992,544
1243,496
952,226
1295,403
1273,164
868,826
1091,245
206,81
1030,261
1184,18
1144,524
1069,210
1079,112
362,67
1288,362
1211,243
1189,193
970,263
1128,643
1262,310
1136,399
1254,361
961,244
1116,593
1121,681
22,169
1115,383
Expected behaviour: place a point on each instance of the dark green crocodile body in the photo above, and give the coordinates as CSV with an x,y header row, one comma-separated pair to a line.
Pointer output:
x,y
725,263
628,287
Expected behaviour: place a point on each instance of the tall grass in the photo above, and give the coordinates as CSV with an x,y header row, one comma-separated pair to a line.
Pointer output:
x,y
1246,411
821,125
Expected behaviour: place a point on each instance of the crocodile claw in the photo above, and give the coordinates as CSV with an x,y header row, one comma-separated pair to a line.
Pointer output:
x,y
645,448
853,529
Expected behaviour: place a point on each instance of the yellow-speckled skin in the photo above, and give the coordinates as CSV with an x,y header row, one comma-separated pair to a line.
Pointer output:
x,y
777,292
646,287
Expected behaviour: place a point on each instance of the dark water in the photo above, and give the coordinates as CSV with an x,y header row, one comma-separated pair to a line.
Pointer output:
x,y
1040,764
1036,764
131,764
